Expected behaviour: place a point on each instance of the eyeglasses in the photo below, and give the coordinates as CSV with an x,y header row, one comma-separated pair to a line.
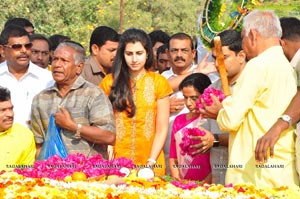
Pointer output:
x,y
19,46
35,52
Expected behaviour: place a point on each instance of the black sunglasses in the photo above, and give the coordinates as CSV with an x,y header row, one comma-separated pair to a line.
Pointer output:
x,y
19,46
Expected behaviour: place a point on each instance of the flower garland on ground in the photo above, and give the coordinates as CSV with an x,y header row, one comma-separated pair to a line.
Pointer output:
x,y
49,179
13,185
58,168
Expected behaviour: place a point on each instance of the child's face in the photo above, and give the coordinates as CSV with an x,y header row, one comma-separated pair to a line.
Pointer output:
x,y
191,96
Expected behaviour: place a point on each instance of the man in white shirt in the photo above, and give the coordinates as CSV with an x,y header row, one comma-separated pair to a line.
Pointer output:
x,y
23,78
181,54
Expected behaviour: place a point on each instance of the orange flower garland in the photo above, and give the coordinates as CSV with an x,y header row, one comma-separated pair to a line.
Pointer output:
x,y
17,186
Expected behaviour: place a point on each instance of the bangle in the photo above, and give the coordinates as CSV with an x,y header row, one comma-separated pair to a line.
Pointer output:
x,y
151,160
77,134
217,141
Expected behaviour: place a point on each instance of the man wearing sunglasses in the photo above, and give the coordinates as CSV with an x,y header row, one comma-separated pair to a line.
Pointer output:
x,y
23,78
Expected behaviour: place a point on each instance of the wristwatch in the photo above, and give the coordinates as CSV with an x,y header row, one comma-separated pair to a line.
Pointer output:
x,y
77,134
287,119
217,141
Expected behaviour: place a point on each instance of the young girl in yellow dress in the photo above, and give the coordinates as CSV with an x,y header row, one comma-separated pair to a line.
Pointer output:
x,y
140,99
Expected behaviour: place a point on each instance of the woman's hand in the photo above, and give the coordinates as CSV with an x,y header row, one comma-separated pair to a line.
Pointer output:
x,y
206,142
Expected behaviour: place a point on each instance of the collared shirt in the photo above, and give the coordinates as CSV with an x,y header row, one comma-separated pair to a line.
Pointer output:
x,y
296,59
23,90
87,105
261,94
218,155
295,62
92,72
17,148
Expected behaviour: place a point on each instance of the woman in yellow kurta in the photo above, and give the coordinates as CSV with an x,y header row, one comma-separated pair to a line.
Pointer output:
x,y
140,99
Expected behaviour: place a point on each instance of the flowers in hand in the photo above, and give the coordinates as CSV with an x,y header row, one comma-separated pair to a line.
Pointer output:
x,y
206,96
187,142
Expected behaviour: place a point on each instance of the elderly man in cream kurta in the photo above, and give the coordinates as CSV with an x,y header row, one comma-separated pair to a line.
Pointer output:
x,y
260,96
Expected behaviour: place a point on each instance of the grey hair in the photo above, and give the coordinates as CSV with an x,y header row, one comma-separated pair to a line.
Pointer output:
x,y
265,22
79,56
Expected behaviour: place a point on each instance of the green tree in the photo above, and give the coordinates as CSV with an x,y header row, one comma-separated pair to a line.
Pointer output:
x,y
78,18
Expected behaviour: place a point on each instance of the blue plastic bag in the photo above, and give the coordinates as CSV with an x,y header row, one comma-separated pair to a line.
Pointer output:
x,y
53,144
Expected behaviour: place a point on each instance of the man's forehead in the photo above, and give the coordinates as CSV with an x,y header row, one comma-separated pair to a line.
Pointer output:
x,y
21,38
179,41
5,104
64,51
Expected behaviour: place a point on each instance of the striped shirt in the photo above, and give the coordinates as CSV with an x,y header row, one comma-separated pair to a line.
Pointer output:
x,y
87,105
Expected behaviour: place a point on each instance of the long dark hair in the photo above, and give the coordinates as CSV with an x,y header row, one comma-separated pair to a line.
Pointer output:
x,y
198,80
120,94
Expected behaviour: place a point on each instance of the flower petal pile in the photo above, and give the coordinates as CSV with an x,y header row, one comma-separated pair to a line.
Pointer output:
x,y
58,168
47,180
13,185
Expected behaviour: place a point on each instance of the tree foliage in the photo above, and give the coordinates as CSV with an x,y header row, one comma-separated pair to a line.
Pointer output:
x,y
78,18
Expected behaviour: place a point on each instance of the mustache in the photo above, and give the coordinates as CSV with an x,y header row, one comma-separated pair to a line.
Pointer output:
x,y
25,55
179,59
9,118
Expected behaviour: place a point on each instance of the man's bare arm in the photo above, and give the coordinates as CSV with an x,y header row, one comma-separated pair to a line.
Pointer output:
x,y
271,137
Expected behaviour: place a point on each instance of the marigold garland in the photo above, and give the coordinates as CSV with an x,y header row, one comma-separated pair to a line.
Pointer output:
x,y
15,185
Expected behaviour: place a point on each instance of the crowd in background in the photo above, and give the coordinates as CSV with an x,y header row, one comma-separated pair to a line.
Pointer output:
x,y
137,96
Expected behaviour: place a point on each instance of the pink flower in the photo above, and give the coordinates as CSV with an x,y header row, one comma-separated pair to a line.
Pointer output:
x,y
190,185
205,96
186,141
57,168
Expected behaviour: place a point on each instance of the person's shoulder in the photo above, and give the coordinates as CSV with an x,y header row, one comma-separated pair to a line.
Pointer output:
x,y
46,92
180,117
87,63
3,67
168,73
90,85
3,64
108,79
41,73
91,88
22,130
108,76
298,65
36,68
154,74
160,80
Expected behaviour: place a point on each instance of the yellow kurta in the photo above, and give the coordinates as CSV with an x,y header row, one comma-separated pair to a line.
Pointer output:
x,y
135,135
260,96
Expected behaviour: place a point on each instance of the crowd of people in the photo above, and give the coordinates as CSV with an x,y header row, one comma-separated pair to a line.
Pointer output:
x,y
137,96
